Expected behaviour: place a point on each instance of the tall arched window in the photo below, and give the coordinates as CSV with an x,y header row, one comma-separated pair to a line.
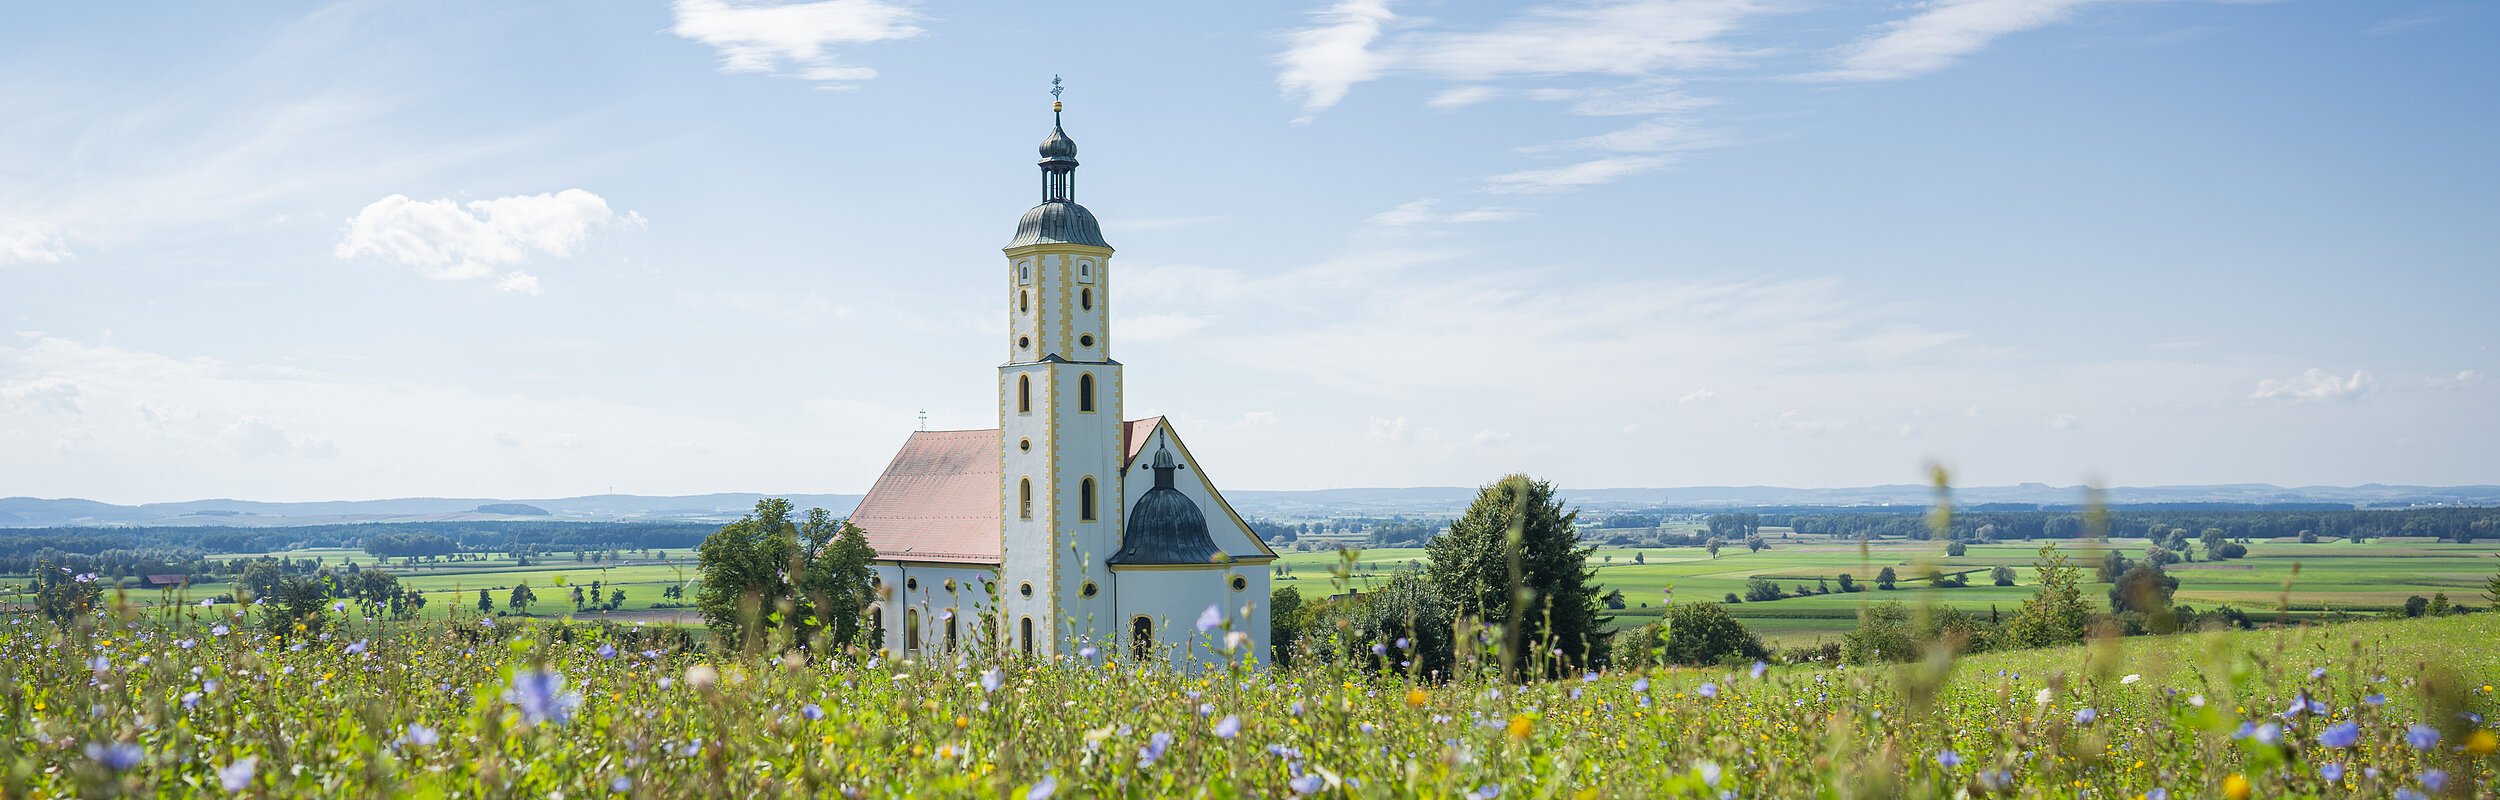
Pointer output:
x,y
1024,394
1027,636
876,626
1024,301
1085,392
1141,633
1085,500
911,631
1085,297
950,633
1024,499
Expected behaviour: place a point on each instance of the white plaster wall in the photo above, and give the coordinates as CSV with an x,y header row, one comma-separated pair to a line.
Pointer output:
x,y
967,601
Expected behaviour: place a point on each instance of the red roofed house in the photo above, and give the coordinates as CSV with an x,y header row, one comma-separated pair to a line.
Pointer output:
x,y
1067,526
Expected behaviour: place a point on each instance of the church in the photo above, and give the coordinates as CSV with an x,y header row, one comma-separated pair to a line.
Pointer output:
x,y
1066,529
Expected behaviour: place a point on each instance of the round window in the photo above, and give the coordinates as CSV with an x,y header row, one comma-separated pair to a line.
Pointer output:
x,y
950,584
1024,343
1025,445
1086,340
1088,591
1240,583
912,584
1026,589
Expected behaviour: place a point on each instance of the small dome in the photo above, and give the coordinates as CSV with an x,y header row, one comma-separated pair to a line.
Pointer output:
x,y
1058,222
1058,145
1166,527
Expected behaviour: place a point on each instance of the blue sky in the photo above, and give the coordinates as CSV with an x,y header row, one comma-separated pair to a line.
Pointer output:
x,y
393,248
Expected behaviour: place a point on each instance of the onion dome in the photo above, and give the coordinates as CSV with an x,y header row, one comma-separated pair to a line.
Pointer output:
x,y
1058,220
1166,527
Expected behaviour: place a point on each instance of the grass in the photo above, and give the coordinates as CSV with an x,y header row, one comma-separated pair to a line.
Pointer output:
x,y
161,704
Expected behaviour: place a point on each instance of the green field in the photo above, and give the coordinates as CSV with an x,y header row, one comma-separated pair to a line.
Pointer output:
x,y
2331,577
455,584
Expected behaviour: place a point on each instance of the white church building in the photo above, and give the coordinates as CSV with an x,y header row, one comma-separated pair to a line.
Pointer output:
x,y
1067,526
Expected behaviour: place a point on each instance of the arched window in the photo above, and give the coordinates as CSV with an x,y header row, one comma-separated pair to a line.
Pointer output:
x,y
876,626
1141,632
911,631
1027,636
1024,499
1024,301
1024,272
1085,500
1024,394
950,633
1085,392
1085,297
1085,272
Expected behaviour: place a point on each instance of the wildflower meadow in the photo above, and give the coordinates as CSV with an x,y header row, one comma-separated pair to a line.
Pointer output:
x,y
209,703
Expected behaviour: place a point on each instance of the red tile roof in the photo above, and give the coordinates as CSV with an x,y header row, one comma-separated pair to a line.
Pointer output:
x,y
1133,437
938,500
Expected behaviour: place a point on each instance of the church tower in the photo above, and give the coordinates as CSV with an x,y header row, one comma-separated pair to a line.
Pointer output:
x,y
1060,442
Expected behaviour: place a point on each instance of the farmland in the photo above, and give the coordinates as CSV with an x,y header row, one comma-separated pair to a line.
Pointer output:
x,y
2315,580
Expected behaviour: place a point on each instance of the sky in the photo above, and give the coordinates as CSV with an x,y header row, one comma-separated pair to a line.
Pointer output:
x,y
382,249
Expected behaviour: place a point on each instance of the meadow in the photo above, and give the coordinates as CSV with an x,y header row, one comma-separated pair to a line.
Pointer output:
x,y
2278,580
202,702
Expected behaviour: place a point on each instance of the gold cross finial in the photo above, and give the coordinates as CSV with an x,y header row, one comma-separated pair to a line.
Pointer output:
x,y
1055,89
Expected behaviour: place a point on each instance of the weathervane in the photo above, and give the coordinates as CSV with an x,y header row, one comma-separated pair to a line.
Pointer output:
x,y
1055,89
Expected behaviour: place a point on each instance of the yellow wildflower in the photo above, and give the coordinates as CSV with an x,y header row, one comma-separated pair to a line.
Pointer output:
x,y
1520,724
2235,787
2481,742
1415,698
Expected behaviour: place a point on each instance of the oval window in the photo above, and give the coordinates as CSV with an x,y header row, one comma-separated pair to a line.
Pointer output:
x,y
1024,342
1025,445
950,584
1026,589
1240,583
1085,297
1089,589
912,584
1086,340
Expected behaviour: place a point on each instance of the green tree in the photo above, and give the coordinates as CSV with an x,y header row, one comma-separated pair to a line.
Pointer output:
x,y
1956,548
1284,624
1514,559
2002,576
1701,634
2491,590
2055,614
1884,578
485,602
1761,590
521,598
766,572
62,596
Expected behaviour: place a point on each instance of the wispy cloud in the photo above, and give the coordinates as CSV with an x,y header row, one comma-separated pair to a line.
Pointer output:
x,y
2316,386
449,240
1424,211
1585,173
2400,24
28,242
1941,34
796,39
1324,61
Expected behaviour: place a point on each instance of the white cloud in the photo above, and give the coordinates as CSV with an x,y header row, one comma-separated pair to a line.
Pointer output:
x,y
1462,96
1624,37
1385,429
1799,422
1586,173
1490,437
794,38
1420,212
1941,34
1696,396
254,437
1324,61
2065,422
1654,96
2460,380
2315,385
1653,135
28,242
454,241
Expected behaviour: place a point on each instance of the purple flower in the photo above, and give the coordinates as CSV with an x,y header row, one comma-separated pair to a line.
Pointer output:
x,y
2269,733
117,756
2331,772
2317,674
421,736
1709,772
1708,690
540,696
2157,793
1760,667
190,700
1210,619
607,650
219,629
1307,784
621,785
2422,737
2341,734
1087,651
1229,727
2435,780
1042,789
1485,792
991,680
2375,699
1640,685
1155,745
2409,794
356,647
1948,759
2085,715
811,712
237,775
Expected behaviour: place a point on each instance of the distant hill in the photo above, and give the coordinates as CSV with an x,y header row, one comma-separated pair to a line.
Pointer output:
x,y
1380,502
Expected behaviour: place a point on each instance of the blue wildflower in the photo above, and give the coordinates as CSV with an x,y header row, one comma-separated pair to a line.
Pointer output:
x,y
2085,715
234,777
540,696
1307,784
812,712
2331,772
117,756
2435,780
1042,789
2342,734
2422,737
1210,619
1229,727
1948,759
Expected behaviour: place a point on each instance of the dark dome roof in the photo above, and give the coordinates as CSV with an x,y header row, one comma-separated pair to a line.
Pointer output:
x,y
1058,145
1166,527
1058,222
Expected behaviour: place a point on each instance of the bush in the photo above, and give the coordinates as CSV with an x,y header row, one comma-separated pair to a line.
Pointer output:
x,y
1701,634
1761,590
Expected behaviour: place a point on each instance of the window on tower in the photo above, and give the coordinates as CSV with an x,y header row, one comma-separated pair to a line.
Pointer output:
x,y
1085,392
1085,500
1085,297
1024,302
1024,499
1084,272
1024,394
1024,272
